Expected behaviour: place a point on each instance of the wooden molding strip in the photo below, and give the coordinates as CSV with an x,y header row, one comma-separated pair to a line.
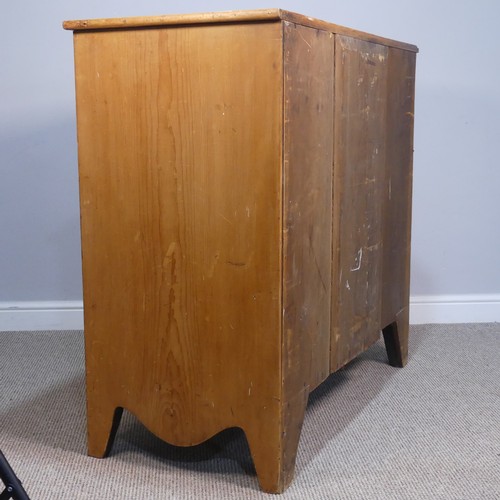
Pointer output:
x,y
175,19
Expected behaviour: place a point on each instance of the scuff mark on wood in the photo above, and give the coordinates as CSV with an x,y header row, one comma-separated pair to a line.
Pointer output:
x,y
238,264
357,260
304,40
225,218
212,266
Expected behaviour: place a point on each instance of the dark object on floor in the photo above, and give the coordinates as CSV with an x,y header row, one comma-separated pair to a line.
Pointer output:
x,y
13,487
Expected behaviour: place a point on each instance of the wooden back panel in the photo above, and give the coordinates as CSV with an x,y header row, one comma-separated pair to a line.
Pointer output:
x,y
359,177
307,206
372,192
398,177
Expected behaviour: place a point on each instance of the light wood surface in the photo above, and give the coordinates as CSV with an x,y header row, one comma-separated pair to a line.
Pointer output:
x,y
233,16
245,192
257,15
180,176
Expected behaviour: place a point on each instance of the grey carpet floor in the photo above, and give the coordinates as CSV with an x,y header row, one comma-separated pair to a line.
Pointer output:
x,y
428,431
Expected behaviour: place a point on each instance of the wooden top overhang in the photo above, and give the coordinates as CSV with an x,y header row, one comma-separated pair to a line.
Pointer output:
x,y
235,16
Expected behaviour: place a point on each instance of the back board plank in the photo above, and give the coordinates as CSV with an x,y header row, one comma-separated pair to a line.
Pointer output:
x,y
307,209
359,169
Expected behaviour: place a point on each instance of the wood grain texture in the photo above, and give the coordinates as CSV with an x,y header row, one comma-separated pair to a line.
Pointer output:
x,y
398,190
245,193
180,177
396,217
342,30
359,170
233,16
307,205
257,15
307,219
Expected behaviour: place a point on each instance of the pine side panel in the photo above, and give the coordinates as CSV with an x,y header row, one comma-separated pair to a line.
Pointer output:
x,y
180,135
359,170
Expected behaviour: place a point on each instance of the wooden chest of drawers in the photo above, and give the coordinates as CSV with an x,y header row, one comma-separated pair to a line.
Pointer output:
x,y
245,189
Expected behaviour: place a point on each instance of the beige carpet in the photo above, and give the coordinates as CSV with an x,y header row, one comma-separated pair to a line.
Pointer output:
x,y
428,431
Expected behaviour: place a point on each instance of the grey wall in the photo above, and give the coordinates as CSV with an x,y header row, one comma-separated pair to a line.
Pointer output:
x,y
456,239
